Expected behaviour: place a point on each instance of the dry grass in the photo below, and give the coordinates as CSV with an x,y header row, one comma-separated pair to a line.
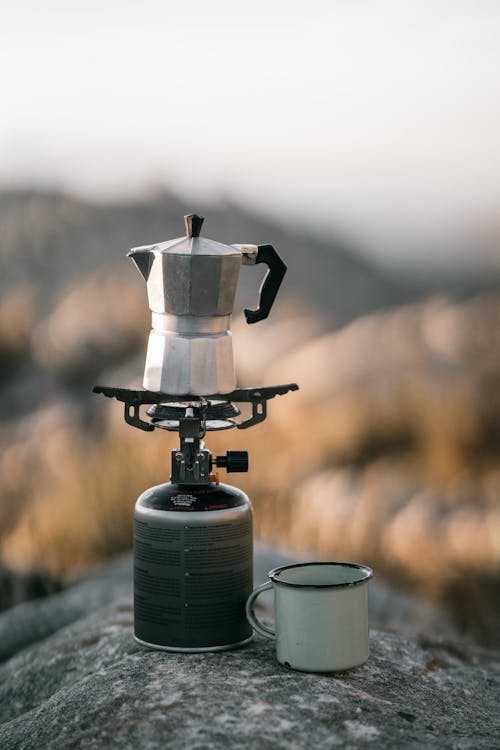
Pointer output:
x,y
17,315
389,454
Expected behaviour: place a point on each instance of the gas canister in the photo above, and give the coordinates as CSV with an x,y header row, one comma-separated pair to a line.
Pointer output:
x,y
193,567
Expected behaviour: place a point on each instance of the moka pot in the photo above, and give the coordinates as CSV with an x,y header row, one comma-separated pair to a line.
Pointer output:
x,y
191,283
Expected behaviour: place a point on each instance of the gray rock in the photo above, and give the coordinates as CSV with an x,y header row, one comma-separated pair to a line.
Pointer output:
x,y
90,686
87,684
33,620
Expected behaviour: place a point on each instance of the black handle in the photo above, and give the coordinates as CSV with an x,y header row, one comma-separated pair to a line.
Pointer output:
x,y
271,284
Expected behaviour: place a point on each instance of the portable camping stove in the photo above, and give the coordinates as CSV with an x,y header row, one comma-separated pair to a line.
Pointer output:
x,y
193,543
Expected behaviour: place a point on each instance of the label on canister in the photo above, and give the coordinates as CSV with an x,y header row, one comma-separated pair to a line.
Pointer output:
x,y
192,579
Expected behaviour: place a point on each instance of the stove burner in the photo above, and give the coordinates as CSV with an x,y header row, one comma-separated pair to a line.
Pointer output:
x,y
218,414
133,400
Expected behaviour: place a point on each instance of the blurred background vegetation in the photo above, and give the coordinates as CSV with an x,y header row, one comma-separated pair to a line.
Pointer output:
x,y
361,140
389,454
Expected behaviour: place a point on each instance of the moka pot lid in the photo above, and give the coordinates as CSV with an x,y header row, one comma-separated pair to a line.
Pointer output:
x,y
191,244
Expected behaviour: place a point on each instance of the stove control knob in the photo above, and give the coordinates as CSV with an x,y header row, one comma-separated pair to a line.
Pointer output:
x,y
233,461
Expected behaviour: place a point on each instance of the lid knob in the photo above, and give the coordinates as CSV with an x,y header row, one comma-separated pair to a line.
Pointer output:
x,y
193,225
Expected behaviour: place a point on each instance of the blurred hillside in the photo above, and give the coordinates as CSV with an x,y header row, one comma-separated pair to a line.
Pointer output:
x,y
53,239
50,240
389,454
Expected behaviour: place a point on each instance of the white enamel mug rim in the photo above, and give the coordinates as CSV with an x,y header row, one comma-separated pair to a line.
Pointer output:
x,y
273,575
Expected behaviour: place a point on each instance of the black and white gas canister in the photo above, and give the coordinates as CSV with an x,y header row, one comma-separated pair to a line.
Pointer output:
x,y
193,567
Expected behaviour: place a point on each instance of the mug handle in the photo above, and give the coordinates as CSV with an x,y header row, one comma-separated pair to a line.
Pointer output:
x,y
256,624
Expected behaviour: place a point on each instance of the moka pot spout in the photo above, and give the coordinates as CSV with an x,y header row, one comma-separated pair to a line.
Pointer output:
x,y
143,259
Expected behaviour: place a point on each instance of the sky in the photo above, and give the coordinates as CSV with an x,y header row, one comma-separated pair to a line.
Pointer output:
x,y
377,118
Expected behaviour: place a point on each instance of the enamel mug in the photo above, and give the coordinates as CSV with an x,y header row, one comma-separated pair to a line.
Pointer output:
x,y
321,615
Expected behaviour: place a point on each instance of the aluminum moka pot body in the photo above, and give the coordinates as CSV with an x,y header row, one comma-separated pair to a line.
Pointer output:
x,y
192,283
193,567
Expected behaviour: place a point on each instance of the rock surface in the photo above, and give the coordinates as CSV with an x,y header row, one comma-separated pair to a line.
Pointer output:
x,y
34,620
89,685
